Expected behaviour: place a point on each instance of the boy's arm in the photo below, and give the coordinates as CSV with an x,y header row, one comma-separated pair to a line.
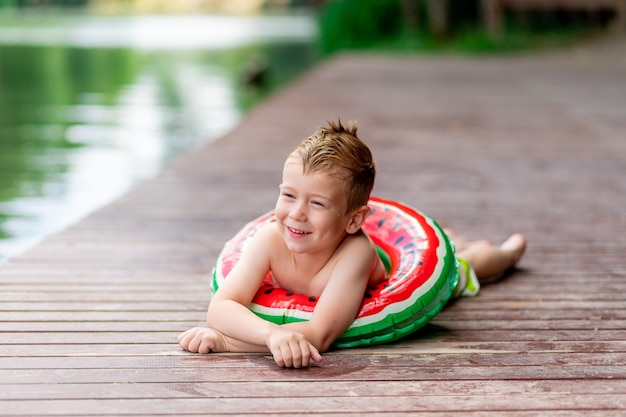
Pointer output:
x,y
339,303
228,310
244,331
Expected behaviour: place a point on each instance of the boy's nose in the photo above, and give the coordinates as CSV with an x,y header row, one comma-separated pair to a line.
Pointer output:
x,y
298,212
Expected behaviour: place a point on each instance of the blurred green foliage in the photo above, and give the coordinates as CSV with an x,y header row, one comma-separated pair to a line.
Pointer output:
x,y
359,24
386,25
44,3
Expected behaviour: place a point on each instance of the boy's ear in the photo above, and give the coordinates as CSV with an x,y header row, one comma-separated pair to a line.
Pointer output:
x,y
358,218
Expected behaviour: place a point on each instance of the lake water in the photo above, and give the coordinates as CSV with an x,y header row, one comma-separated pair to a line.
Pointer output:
x,y
89,106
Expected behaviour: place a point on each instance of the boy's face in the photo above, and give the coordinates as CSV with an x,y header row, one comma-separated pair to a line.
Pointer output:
x,y
311,210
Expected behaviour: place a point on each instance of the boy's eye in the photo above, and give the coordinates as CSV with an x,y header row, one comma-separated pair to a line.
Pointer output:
x,y
318,203
288,195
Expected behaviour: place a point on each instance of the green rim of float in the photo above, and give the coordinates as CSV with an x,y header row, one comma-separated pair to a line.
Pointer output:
x,y
422,273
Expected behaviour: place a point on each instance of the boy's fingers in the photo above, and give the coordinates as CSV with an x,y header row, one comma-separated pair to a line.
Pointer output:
x,y
185,337
181,336
306,355
205,346
183,341
300,354
278,356
288,356
315,354
193,344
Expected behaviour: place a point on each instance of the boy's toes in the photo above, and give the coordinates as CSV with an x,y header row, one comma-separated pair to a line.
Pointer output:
x,y
516,245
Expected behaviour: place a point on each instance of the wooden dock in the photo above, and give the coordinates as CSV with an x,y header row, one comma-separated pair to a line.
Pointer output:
x,y
487,146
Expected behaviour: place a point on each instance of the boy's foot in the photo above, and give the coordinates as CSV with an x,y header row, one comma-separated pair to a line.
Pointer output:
x,y
515,245
503,260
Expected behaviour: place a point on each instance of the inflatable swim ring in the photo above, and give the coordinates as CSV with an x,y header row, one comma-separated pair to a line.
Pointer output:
x,y
422,272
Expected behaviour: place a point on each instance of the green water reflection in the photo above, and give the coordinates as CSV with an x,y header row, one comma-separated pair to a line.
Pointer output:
x,y
80,125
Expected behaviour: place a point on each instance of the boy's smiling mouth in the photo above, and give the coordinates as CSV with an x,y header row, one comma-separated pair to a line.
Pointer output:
x,y
297,231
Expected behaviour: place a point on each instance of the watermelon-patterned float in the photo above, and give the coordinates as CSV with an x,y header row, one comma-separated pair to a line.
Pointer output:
x,y
422,272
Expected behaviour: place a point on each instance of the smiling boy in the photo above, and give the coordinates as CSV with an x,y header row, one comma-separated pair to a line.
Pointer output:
x,y
315,247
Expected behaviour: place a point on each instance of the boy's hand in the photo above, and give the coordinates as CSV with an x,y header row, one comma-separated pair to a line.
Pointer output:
x,y
291,349
202,340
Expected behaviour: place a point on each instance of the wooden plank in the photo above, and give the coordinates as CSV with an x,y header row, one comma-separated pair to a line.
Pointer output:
x,y
119,295
269,372
384,359
105,326
198,314
567,292
451,324
303,389
200,305
294,405
412,346
95,336
545,324
188,314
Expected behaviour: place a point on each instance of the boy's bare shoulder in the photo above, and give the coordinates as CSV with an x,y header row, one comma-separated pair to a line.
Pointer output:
x,y
361,246
357,244
266,232
266,237
360,238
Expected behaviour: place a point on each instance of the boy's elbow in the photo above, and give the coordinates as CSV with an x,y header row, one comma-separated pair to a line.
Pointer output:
x,y
322,337
324,347
324,343
212,314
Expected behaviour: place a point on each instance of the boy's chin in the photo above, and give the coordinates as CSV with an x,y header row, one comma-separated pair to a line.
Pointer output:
x,y
298,246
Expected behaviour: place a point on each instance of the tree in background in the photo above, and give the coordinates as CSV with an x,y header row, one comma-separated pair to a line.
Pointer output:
x,y
358,24
454,24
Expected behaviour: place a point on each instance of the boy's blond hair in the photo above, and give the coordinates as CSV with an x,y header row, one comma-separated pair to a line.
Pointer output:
x,y
336,150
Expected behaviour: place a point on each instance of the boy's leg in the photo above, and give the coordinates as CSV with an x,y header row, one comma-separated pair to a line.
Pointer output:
x,y
488,260
468,285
